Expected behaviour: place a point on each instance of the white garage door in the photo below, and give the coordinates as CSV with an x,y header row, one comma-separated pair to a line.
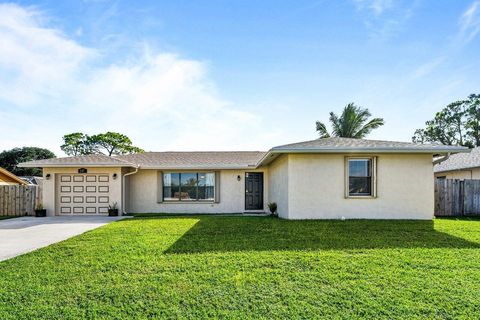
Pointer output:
x,y
83,193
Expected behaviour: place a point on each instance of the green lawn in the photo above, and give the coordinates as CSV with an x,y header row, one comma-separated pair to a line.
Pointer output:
x,y
251,267
6,217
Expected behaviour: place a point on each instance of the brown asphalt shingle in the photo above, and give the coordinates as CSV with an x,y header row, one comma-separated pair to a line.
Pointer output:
x,y
206,159
88,160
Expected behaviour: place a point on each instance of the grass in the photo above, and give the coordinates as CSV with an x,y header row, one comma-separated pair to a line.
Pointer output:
x,y
251,267
7,217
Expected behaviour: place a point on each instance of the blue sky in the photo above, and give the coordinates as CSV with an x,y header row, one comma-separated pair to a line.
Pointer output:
x,y
229,75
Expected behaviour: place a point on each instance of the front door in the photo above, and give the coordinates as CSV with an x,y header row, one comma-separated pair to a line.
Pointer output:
x,y
254,191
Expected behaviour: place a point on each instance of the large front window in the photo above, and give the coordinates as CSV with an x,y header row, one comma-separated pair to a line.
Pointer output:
x,y
189,186
360,174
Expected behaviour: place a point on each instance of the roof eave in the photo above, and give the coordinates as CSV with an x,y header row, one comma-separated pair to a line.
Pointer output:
x,y
88,165
197,167
193,167
373,150
456,169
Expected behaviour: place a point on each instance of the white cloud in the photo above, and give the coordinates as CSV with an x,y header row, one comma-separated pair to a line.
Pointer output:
x,y
470,22
428,67
34,61
376,6
384,18
53,85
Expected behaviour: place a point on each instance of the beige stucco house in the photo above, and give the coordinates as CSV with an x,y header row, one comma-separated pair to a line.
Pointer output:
x,y
329,178
460,166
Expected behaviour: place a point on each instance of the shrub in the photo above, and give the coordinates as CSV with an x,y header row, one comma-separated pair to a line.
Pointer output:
x,y
272,206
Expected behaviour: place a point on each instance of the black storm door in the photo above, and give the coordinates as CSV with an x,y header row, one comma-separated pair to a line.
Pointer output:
x,y
254,191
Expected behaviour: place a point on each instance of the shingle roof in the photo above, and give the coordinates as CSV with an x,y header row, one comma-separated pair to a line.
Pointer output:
x,y
160,160
93,160
362,145
242,159
185,160
460,161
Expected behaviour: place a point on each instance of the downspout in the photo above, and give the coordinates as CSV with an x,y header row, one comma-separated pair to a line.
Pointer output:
x,y
125,187
441,159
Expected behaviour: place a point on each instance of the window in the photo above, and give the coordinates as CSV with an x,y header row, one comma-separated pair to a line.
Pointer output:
x,y
189,186
360,177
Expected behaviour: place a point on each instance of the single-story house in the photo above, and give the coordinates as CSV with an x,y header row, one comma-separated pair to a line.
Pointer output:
x,y
460,166
8,178
327,178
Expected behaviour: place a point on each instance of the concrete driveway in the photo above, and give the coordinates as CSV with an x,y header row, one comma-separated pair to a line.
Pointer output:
x,y
25,234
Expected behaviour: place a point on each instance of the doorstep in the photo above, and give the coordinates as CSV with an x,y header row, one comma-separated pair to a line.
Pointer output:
x,y
255,213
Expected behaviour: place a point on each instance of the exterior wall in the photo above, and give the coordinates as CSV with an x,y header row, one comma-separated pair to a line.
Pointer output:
x,y
460,174
49,186
142,194
316,187
278,185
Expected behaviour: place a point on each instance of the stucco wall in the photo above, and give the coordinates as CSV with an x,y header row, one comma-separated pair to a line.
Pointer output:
x,y
460,174
316,185
142,197
49,186
278,185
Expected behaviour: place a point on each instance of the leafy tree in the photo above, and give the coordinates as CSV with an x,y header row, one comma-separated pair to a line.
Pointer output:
x,y
473,118
352,123
9,159
456,124
112,143
76,144
419,136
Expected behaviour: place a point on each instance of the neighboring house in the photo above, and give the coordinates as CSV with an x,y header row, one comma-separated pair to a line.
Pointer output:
x,y
460,166
8,178
32,180
319,179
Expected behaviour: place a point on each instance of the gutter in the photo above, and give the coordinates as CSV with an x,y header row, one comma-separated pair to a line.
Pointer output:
x,y
441,159
124,213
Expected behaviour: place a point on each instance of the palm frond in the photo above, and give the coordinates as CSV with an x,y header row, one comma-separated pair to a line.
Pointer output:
x,y
336,124
367,128
351,123
322,130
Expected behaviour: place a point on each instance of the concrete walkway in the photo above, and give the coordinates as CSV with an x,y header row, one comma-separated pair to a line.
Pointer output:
x,y
25,234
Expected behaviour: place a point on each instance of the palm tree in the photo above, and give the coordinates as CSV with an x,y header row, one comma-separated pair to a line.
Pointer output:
x,y
351,124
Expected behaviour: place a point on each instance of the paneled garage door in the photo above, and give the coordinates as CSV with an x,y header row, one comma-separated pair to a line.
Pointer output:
x,y
83,193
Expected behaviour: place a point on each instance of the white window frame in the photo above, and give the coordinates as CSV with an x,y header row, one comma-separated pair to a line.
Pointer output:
x,y
373,160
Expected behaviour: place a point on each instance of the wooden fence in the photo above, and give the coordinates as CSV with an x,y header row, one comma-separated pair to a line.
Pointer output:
x,y
16,200
457,197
